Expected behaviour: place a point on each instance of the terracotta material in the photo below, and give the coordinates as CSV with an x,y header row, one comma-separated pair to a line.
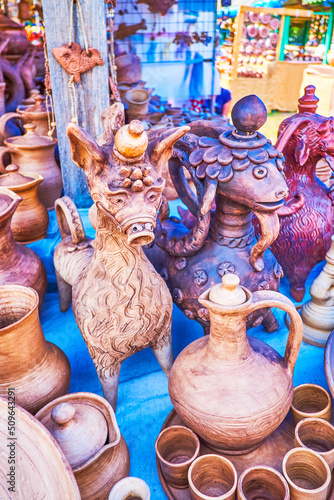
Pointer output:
x,y
306,220
137,100
130,488
33,153
311,400
24,13
31,219
158,6
215,384
323,171
329,362
19,265
307,474
86,429
128,68
176,448
127,192
37,114
37,369
318,313
318,435
239,171
212,476
75,60
2,98
42,471
124,30
263,483
18,41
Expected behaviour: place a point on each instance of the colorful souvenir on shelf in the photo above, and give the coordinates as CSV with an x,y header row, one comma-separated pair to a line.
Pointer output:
x,y
19,265
306,220
85,427
120,302
38,370
241,172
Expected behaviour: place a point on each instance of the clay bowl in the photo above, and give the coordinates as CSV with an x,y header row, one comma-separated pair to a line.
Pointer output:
x,y
176,448
263,483
307,474
311,400
317,435
212,477
130,488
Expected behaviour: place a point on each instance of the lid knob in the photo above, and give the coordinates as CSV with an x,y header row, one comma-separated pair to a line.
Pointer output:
x,y
230,281
131,140
63,413
29,128
308,103
12,168
229,293
248,115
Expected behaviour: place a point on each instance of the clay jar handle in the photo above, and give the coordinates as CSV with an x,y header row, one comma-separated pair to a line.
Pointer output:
x,y
265,298
3,122
3,151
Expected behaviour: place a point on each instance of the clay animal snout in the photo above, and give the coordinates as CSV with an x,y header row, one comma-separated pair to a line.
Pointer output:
x,y
281,194
140,233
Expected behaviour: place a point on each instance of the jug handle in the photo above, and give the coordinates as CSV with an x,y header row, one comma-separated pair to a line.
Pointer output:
x,y
3,122
3,151
269,298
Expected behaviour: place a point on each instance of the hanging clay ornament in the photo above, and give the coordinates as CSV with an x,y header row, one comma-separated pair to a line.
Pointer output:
x,y
124,30
76,60
158,6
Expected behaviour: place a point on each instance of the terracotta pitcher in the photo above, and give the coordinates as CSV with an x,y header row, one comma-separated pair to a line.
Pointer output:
x,y
19,265
34,153
234,390
31,219
36,114
38,370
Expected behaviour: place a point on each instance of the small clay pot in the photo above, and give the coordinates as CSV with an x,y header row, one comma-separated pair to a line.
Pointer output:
x,y
37,114
311,400
263,483
176,448
307,474
212,477
130,488
137,100
318,435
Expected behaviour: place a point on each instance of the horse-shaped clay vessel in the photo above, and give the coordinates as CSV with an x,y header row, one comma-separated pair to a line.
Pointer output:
x,y
120,303
306,221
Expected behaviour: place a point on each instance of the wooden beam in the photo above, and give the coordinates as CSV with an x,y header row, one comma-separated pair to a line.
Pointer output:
x,y
92,91
237,41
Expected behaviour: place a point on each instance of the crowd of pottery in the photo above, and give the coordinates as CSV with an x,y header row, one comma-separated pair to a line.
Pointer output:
x,y
255,211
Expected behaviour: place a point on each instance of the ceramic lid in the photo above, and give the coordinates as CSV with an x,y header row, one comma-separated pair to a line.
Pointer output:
x,y
39,105
80,429
13,178
30,139
229,293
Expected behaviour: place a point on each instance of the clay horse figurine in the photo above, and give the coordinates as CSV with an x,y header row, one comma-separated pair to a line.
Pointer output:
x,y
120,303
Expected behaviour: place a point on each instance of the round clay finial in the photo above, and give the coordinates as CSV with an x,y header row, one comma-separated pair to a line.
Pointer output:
x,y
249,114
131,140
29,127
63,413
230,281
12,168
229,293
308,103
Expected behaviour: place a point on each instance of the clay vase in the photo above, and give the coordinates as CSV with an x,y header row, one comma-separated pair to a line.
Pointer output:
x,y
212,477
31,219
311,400
307,474
318,435
216,385
137,100
19,265
85,427
130,488
37,114
128,68
34,153
261,482
38,370
318,313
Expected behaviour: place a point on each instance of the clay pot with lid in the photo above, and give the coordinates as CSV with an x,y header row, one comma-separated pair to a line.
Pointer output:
x,y
19,265
34,153
31,219
35,113
85,427
234,390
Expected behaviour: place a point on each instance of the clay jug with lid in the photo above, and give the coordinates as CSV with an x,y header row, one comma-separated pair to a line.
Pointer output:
x,y
34,153
86,429
19,265
31,219
35,113
38,370
234,390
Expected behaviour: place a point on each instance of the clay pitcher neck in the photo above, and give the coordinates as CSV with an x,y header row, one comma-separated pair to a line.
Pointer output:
x,y
9,249
231,220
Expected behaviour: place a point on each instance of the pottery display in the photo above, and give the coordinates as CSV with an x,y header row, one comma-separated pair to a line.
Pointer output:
x,y
262,483
41,471
130,488
31,219
34,153
318,435
137,101
19,265
311,400
318,313
306,220
307,474
18,41
37,114
212,477
85,427
124,179
128,68
38,369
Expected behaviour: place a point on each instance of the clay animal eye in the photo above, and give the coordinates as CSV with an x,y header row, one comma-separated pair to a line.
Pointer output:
x,y
260,172
152,197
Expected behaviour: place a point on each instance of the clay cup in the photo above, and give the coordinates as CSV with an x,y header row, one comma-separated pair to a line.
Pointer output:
x,y
212,477
262,482
318,435
311,401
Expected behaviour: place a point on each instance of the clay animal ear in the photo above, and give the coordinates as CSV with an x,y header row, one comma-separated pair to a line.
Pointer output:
x,y
302,152
113,119
161,149
85,152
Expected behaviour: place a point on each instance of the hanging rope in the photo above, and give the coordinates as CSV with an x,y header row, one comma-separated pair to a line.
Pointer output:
x,y
70,40
48,94
73,97
111,52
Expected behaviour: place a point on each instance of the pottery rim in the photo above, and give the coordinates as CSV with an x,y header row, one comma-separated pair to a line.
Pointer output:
x,y
320,421
271,470
134,484
186,462
317,414
36,179
226,462
29,293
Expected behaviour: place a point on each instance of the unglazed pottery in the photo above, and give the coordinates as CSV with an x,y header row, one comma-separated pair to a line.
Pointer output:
x,y
263,483
307,474
311,400
306,220
85,427
318,313
216,385
34,153
31,219
212,477
120,303
19,265
43,471
38,369
130,488
137,100
176,448
37,114
318,435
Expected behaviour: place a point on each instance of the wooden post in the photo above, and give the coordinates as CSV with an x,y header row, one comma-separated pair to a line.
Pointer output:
x,y
92,91
285,37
